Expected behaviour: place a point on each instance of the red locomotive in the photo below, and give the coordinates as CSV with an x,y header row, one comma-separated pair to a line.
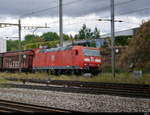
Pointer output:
x,y
73,59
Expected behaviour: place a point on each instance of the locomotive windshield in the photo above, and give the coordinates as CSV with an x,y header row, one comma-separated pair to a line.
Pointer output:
x,y
89,52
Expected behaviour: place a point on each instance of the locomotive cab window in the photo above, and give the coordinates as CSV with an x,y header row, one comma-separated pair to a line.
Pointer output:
x,y
90,52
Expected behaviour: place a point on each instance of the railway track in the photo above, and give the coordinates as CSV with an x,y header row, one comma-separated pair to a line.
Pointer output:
x,y
129,90
10,106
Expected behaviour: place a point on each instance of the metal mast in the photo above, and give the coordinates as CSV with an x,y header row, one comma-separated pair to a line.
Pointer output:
x,y
113,37
60,23
19,33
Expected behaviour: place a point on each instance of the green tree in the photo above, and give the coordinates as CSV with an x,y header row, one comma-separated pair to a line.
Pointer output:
x,y
12,45
66,37
96,33
50,36
122,40
86,33
30,37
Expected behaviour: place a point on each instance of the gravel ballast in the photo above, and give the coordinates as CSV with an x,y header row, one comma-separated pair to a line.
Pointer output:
x,y
76,101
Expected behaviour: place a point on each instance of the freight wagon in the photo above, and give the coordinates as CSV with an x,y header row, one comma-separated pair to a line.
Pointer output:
x,y
11,60
1,61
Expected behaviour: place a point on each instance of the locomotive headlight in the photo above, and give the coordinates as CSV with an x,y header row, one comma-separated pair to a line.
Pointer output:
x,y
86,59
97,60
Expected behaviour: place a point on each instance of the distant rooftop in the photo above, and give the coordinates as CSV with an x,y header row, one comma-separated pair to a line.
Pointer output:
x,y
122,33
100,40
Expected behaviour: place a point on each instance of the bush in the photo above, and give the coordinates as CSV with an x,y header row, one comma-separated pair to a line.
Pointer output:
x,y
138,52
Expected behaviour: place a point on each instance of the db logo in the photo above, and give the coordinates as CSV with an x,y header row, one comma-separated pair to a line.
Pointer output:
x,y
52,57
92,58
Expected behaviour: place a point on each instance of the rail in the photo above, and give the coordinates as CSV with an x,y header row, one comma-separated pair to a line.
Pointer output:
x,y
11,106
133,90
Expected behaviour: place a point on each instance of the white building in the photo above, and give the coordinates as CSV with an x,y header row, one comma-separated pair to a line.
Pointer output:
x,y
122,33
3,47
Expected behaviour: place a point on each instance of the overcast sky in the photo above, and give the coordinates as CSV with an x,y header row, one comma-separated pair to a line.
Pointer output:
x,y
75,14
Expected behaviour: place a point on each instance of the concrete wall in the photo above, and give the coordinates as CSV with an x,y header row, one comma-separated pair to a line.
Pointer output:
x,y
3,45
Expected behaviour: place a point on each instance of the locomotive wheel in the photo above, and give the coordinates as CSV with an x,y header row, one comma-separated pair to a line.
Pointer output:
x,y
72,72
58,72
52,72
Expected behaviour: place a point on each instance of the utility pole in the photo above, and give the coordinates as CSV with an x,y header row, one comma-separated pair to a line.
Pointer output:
x,y
2,25
19,33
112,37
60,23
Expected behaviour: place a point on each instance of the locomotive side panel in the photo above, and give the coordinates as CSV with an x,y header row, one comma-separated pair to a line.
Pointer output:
x,y
60,59
63,59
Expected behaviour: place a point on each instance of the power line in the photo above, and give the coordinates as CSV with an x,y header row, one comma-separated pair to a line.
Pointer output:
x,y
45,9
38,11
68,3
90,20
138,10
32,10
116,4
119,4
123,3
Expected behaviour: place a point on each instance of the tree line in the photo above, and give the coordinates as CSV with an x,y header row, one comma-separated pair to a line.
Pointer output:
x,y
52,39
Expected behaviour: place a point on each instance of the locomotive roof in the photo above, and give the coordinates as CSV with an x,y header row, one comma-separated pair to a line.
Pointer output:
x,y
56,49
63,48
26,52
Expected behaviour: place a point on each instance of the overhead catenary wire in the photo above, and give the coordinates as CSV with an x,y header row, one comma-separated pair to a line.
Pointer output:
x,y
35,9
133,11
117,4
68,3
45,9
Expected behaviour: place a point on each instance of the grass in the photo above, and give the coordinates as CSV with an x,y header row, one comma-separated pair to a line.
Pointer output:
x,y
24,75
107,77
103,77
